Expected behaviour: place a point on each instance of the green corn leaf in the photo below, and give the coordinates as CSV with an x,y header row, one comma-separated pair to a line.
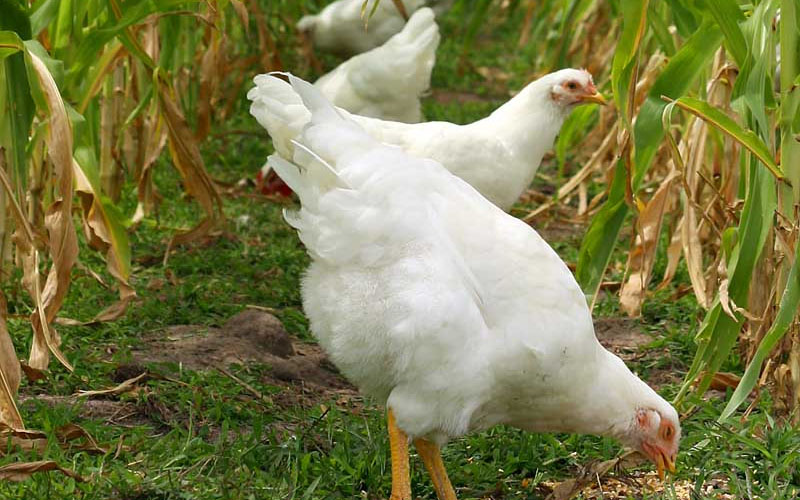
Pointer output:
x,y
572,13
93,43
682,71
680,74
44,15
790,93
634,15
728,15
54,66
14,18
475,22
20,108
725,124
572,131
719,332
659,23
790,301
62,29
114,219
599,241
684,17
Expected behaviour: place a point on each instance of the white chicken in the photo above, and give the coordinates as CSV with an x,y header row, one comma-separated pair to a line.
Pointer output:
x,y
387,81
340,29
453,313
498,155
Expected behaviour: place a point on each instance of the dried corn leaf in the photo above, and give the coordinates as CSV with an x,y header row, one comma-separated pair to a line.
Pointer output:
x,y
24,439
241,11
593,164
643,254
186,158
209,84
673,256
31,373
401,8
63,242
104,232
689,223
146,192
7,430
722,381
21,471
10,374
125,386
71,432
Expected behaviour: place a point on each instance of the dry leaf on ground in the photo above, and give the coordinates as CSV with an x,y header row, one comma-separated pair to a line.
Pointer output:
x,y
21,471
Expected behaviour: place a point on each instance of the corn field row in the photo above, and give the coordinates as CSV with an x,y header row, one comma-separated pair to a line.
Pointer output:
x,y
699,157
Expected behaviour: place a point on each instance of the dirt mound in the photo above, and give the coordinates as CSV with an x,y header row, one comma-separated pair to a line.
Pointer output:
x,y
248,337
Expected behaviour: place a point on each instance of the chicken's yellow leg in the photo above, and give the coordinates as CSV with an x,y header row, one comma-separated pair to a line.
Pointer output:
x,y
398,443
432,458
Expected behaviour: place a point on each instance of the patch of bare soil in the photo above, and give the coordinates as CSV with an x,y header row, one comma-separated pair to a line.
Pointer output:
x,y
625,338
560,230
303,370
622,336
114,412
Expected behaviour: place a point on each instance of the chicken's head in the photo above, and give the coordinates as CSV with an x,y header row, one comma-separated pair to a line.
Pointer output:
x,y
656,434
573,87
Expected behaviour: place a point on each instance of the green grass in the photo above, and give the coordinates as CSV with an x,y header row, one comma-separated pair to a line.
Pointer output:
x,y
207,438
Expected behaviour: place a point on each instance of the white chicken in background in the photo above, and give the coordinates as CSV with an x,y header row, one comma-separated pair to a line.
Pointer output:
x,y
387,81
498,155
340,29
453,313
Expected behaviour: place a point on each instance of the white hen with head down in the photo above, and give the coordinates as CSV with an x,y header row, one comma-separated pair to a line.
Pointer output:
x,y
455,314
498,155
340,29
387,81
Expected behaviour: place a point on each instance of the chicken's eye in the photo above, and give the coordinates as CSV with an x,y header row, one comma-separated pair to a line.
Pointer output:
x,y
572,85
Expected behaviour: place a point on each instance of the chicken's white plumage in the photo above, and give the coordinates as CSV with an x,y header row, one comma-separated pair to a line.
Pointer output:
x,y
434,301
340,29
498,155
387,81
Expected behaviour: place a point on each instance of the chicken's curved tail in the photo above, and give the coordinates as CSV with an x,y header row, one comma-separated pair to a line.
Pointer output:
x,y
405,61
279,109
360,198
416,48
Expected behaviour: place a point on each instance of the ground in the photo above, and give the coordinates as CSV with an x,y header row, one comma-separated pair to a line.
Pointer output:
x,y
250,408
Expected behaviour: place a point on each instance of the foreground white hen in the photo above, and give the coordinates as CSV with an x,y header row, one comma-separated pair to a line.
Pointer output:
x,y
387,81
498,155
454,314
340,29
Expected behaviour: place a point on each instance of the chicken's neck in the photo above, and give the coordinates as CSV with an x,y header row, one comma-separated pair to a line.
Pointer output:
x,y
527,124
598,397
607,404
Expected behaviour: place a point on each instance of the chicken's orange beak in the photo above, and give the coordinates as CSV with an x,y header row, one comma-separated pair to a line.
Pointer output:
x,y
595,97
662,460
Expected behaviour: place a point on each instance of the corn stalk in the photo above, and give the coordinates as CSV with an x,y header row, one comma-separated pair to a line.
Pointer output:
x,y
134,70
731,186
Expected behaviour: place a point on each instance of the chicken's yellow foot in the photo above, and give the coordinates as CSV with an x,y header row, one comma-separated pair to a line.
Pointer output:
x,y
432,458
398,444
